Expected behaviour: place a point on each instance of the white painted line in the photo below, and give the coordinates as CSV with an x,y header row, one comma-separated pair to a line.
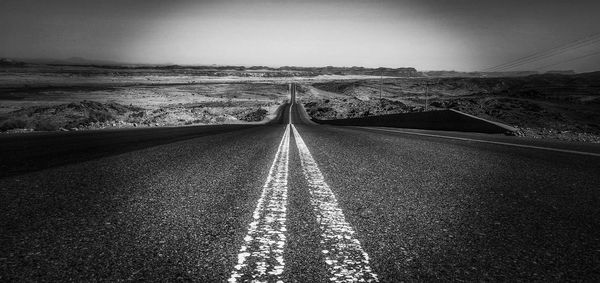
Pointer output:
x,y
345,258
486,141
261,256
291,104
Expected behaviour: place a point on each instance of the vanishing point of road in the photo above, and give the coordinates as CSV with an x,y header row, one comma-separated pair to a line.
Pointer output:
x,y
293,201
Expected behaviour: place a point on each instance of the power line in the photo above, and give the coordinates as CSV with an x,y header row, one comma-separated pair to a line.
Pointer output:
x,y
576,43
542,57
547,53
572,59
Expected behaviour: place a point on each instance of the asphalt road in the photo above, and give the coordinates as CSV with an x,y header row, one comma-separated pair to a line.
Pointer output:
x,y
299,203
22,153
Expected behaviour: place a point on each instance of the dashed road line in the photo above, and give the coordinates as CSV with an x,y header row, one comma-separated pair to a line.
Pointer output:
x,y
346,260
486,141
261,256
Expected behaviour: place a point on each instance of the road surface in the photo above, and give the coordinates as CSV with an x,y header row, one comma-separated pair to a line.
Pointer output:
x,y
297,202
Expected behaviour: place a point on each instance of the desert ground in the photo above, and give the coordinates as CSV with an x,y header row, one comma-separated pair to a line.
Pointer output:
x,y
36,97
70,97
76,98
554,106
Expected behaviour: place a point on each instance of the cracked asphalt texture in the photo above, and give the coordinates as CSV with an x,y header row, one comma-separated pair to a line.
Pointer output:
x,y
424,208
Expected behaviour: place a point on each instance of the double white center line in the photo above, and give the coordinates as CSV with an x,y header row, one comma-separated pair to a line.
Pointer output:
x,y
345,258
261,256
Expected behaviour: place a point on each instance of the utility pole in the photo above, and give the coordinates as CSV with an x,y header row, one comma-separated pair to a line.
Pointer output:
x,y
381,90
381,84
426,95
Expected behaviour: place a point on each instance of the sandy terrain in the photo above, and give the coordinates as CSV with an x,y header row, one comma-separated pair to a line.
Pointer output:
x,y
42,97
45,98
90,76
543,106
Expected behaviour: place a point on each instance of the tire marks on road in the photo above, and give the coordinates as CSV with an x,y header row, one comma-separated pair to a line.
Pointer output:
x,y
261,256
345,258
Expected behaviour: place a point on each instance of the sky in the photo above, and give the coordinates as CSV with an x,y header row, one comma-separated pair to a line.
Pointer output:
x,y
462,35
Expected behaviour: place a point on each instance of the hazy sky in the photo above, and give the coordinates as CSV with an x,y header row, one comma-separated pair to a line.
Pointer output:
x,y
428,35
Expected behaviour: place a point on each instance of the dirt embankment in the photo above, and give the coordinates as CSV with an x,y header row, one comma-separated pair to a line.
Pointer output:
x,y
327,109
86,115
564,107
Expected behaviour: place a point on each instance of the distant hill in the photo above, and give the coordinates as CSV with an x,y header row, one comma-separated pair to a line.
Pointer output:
x,y
278,71
456,74
331,70
292,70
5,62
590,75
563,72
70,61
